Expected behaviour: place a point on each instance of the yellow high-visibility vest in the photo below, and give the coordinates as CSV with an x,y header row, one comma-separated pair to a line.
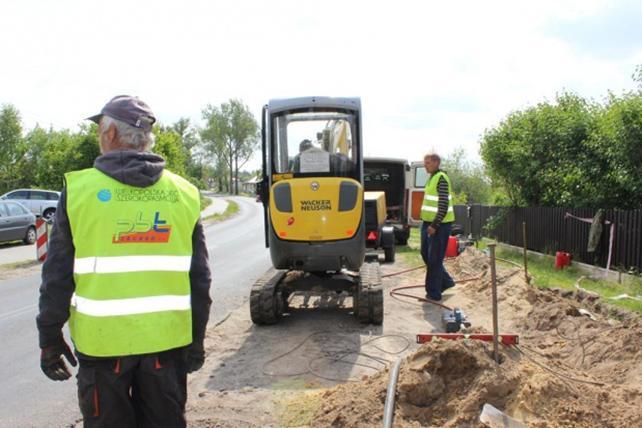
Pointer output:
x,y
431,200
133,251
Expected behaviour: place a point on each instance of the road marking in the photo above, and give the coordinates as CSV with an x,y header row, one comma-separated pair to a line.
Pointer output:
x,y
18,311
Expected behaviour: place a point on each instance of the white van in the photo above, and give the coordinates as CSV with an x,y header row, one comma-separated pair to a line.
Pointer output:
x,y
416,179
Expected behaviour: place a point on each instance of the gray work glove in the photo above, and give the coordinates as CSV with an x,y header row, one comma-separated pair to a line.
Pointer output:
x,y
51,362
195,356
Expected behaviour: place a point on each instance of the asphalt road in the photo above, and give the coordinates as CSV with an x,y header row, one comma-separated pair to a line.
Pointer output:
x,y
28,399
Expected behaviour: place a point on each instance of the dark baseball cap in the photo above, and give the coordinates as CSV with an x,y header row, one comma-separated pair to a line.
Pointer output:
x,y
128,109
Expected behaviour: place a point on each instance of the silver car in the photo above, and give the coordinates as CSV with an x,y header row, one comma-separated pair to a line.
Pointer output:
x,y
40,202
16,222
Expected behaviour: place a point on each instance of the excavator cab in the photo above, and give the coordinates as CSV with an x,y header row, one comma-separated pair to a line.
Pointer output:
x,y
314,195
313,198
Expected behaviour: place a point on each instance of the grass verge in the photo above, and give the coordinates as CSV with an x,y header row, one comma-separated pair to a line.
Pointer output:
x,y
232,209
545,275
410,253
205,201
12,270
25,264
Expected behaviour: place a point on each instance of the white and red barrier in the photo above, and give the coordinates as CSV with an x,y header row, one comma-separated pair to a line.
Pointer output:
x,y
42,233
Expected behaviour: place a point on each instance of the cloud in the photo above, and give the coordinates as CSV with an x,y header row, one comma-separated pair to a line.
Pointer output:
x,y
427,72
614,32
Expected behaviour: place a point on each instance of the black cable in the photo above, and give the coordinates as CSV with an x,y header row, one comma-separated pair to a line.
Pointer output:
x,y
337,356
561,375
579,337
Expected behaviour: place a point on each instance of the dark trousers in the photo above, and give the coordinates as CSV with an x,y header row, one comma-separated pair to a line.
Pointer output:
x,y
133,391
433,251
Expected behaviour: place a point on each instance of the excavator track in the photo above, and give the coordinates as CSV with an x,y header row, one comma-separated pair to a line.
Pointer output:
x,y
369,295
266,301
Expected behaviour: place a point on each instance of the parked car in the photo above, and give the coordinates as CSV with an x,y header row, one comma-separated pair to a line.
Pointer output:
x,y
40,202
16,222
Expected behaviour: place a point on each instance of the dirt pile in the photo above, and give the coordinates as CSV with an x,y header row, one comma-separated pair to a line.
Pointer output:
x,y
446,384
572,368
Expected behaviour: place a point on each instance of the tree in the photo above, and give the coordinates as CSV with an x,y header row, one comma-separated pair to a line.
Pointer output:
x,y
469,181
617,146
169,146
187,133
195,155
540,156
230,136
11,146
50,154
87,145
571,153
65,151
42,157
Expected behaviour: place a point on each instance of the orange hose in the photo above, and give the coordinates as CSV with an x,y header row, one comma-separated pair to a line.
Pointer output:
x,y
403,271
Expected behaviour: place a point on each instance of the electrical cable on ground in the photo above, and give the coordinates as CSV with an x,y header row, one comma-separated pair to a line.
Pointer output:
x,y
560,375
579,336
403,271
505,277
337,356
395,292
510,262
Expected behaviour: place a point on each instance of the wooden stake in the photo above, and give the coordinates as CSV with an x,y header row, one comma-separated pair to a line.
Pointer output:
x,y
493,275
528,280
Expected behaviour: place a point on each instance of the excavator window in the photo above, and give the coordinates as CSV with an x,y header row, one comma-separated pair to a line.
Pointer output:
x,y
310,143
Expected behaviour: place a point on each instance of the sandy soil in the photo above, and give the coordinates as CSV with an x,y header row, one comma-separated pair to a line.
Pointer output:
x,y
320,367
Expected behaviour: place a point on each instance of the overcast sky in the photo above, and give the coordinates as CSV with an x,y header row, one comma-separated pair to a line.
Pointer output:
x,y
430,74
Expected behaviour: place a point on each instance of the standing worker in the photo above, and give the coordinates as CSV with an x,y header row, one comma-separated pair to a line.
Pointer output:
x,y
438,214
128,267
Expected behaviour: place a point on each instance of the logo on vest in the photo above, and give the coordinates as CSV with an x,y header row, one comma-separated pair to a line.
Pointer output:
x,y
104,195
142,231
145,195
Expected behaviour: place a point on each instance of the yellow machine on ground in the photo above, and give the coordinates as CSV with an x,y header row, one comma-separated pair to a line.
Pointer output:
x,y
312,193
378,234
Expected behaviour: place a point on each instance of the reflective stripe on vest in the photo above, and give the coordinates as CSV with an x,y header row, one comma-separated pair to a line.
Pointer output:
x,y
138,305
430,205
133,251
132,264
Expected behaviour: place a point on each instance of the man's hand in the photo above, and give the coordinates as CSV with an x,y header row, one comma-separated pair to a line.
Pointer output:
x,y
51,362
431,231
195,357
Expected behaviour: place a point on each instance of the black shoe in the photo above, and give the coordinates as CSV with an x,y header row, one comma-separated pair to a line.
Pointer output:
x,y
451,285
433,299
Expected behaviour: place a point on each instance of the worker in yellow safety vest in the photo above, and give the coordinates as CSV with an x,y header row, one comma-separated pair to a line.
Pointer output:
x,y
438,214
128,269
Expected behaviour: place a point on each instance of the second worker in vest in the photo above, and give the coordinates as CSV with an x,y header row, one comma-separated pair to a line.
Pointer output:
x,y
438,214
128,267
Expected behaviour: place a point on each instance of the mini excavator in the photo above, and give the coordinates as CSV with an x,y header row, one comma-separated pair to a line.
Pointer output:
x,y
314,213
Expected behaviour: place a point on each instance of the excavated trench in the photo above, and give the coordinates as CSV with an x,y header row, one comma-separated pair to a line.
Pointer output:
x,y
569,369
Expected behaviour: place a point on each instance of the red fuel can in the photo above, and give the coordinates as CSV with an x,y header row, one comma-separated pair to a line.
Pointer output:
x,y
559,260
451,249
562,259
